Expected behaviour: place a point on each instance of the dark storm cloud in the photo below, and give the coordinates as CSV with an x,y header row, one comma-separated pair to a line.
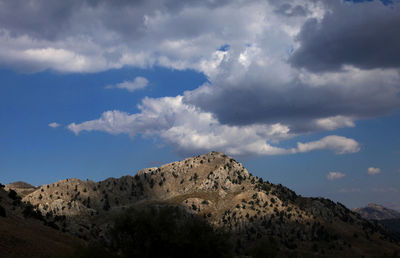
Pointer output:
x,y
296,105
365,35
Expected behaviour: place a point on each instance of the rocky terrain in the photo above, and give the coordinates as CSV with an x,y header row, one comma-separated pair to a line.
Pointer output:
x,y
377,212
25,233
219,189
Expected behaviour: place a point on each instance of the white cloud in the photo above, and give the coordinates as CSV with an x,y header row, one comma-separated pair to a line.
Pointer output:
x,y
92,37
338,144
332,123
373,171
137,84
54,125
190,130
335,175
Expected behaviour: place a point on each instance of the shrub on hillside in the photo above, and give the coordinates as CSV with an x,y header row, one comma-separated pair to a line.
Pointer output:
x,y
13,195
30,212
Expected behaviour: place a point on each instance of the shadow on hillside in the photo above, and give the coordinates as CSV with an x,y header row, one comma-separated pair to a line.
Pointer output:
x,y
169,231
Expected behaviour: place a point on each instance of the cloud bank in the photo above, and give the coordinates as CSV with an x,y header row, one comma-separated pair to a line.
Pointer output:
x,y
275,69
191,130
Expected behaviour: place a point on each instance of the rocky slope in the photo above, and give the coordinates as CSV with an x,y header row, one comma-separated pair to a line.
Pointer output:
x,y
377,212
222,191
23,232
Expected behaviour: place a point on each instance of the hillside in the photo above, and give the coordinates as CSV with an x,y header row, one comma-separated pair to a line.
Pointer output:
x,y
22,188
219,189
23,232
377,212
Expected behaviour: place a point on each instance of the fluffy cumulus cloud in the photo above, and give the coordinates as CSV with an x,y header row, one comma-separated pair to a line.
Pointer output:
x,y
373,171
136,84
338,144
335,175
275,69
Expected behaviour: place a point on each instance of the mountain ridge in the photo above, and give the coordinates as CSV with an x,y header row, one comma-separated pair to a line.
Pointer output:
x,y
219,189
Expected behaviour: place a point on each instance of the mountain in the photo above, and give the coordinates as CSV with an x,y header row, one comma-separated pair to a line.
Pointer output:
x,y
22,188
377,212
23,232
219,189
387,217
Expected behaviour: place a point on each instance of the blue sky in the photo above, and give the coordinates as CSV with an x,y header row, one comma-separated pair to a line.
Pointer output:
x,y
301,93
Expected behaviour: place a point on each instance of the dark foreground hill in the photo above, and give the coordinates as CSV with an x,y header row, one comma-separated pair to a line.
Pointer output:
x,y
392,224
23,232
259,217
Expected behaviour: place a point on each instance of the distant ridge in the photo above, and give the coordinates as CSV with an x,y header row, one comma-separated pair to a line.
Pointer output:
x,y
20,184
22,188
377,212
